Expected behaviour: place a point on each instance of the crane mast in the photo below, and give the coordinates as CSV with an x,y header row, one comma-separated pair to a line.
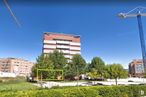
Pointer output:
x,y
142,41
138,14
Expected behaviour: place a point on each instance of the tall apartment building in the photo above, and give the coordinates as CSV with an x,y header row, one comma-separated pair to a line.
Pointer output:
x,y
136,68
14,65
66,43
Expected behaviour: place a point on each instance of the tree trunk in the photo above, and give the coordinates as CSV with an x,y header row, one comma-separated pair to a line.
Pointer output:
x,y
116,81
94,82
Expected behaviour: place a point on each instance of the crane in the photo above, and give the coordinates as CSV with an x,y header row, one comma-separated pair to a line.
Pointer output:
x,y
12,14
136,12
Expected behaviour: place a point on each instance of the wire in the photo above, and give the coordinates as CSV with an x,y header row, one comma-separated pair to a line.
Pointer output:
x,y
137,8
16,20
143,7
132,10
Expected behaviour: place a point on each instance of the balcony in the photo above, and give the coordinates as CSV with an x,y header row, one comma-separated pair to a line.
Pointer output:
x,y
75,43
50,46
63,46
75,48
48,51
65,51
67,56
75,52
50,41
62,42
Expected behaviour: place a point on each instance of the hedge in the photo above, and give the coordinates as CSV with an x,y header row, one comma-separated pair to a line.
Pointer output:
x,y
92,91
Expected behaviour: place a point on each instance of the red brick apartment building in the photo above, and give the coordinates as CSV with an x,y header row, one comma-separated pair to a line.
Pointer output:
x,y
66,43
136,68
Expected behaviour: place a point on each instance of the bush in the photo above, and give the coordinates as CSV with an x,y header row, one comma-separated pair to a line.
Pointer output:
x,y
1,81
92,91
10,80
113,91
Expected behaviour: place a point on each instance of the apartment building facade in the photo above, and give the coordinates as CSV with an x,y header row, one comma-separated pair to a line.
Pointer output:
x,y
136,68
66,43
20,67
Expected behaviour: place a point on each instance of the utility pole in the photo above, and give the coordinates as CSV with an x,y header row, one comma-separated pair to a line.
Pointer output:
x,y
136,12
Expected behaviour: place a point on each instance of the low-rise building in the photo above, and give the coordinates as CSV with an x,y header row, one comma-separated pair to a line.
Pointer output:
x,y
136,68
17,66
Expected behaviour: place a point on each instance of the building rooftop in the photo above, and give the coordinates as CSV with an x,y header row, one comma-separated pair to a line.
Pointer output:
x,y
62,34
15,59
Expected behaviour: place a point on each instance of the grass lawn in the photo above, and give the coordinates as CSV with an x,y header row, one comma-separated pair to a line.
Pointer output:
x,y
17,86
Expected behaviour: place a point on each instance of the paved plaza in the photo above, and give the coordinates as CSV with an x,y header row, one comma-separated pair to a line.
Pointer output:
x,y
128,81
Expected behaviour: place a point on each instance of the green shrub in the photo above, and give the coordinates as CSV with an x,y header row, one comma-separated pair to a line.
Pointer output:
x,y
92,91
1,81
11,80
113,91
134,91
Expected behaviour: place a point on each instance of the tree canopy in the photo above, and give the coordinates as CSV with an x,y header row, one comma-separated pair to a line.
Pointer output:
x,y
58,59
55,60
79,63
75,66
98,64
70,71
42,62
115,71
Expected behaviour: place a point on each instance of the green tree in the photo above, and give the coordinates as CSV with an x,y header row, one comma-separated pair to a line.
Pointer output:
x,y
93,74
42,62
115,71
87,68
58,59
75,67
98,64
79,63
70,71
34,70
59,62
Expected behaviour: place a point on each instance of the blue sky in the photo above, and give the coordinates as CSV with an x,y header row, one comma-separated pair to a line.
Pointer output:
x,y
102,32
